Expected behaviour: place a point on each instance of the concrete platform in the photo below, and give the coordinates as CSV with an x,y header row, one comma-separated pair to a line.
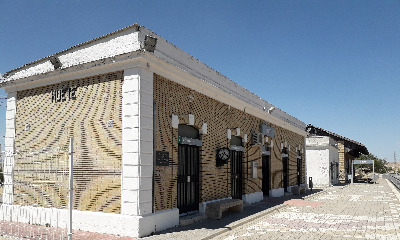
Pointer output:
x,y
351,211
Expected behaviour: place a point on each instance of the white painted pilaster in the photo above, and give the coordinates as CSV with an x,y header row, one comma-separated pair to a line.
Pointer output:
x,y
9,147
137,142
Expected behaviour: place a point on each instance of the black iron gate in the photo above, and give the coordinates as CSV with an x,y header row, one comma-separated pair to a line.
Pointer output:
x,y
188,178
236,174
266,174
285,170
299,163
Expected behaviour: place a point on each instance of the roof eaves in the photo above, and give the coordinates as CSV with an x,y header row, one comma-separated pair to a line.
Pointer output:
x,y
136,25
336,135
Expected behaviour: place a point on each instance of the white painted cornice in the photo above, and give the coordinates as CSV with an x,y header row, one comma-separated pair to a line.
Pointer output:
x,y
118,63
152,63
124,49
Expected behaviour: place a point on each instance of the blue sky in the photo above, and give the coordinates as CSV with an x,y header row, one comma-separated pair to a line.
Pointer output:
x,y
334,64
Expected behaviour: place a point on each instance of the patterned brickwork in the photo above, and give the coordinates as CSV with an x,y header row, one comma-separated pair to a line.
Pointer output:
x,y
344,162
172,98
84,115
293,140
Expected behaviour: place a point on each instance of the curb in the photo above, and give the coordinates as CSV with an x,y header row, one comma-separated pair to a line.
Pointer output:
x,y
246,220
314,195
394,189
257,215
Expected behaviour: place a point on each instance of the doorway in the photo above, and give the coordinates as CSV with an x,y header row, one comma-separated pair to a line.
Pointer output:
x,y
299,164
188,169
236,167
236,174
266,166
285,168
266,169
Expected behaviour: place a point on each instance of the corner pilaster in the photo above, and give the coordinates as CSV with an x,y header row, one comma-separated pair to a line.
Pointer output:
x,y
137,142
8,196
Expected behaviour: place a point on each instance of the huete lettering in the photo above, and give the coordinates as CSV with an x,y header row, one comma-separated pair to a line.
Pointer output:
x,y
63,94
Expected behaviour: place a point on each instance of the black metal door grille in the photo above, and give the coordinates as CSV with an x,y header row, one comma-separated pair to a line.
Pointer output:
x,y
188,178
265,175
285,171
298,171
236,174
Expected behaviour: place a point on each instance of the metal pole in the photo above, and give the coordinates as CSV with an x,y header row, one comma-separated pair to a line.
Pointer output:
x,y
352,171
373,169
71,184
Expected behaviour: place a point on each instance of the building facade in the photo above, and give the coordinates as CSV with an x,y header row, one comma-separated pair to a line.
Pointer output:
x,y
348,150
157,135
322,164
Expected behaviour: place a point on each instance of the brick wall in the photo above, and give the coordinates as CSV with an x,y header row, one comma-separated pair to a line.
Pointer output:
x,y
172,98
97,148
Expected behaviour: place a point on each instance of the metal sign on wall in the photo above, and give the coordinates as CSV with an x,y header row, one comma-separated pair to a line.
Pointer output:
x,y
162,158
267,131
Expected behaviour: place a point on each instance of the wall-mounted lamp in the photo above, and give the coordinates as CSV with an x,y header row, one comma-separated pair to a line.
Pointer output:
x,y
237,131
150,43
55,61
191,120
27,127
228,133
244,138
272,144
110,123
174,121
203,129
271,109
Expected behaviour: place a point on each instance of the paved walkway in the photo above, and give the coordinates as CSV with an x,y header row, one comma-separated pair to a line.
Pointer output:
x,y
14,230
356,211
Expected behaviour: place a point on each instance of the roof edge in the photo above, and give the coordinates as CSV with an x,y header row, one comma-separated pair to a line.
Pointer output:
x,y
309,126
136,25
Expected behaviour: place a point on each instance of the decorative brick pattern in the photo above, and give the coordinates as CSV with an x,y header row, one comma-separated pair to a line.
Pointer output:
x,y
97,149
344,163
172,98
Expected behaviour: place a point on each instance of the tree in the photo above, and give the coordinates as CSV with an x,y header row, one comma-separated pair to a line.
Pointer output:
x,y
380,164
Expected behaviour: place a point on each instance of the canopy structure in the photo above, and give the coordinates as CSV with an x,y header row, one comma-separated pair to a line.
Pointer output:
x,y
363,162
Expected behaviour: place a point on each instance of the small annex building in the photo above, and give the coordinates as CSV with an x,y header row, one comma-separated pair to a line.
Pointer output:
x,y
157,134
329,156
322,163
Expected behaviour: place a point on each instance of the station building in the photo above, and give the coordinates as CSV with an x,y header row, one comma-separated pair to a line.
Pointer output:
x,y
329,156
322,164
157,135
